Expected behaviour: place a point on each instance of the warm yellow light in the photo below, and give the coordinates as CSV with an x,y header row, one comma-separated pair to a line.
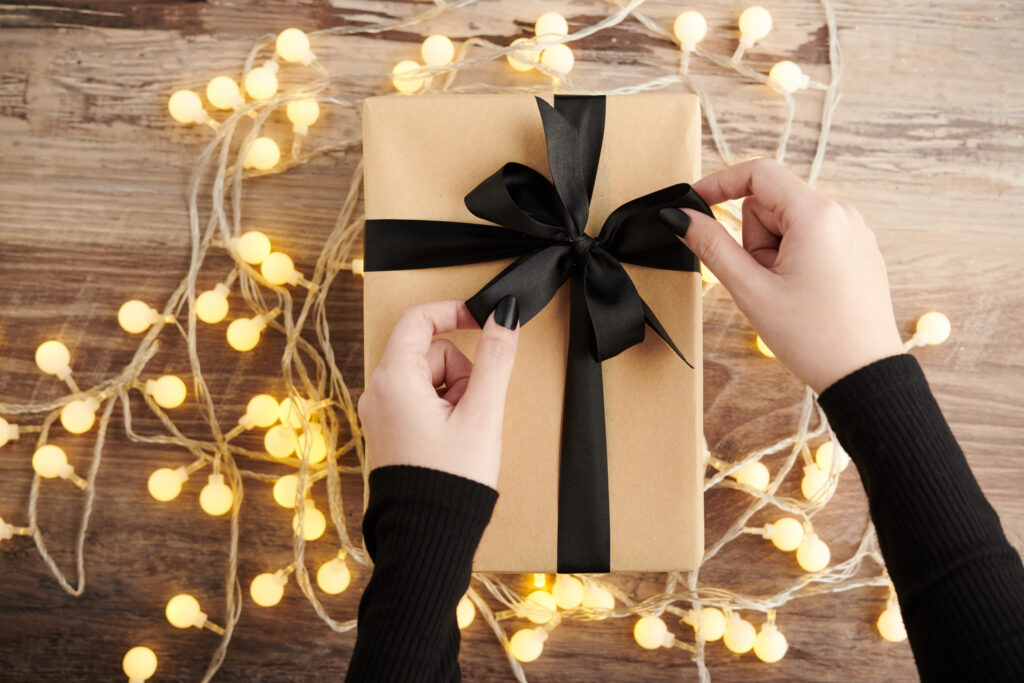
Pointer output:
x,y
465,612
522,59
651,633
280,441
293,411
165,484
712,623
690,28
244,333
823,456
139,663
770,645
51,461
785,534
79,415
303,114
333,576
278,269
253,246
183,612
932,328
755,23
558,58
890,624
437,50
285,490
261,83
314,523
268,589
357,266
787,77
739,634
567,591
261,411
223,92
551,24
762,347
53,358
813,483
541,607
312,444
263,154
212,305
216,497
136,316
8,432
527,644
168,391
185,107
293,46
755,475
540,580
596,597
403,83
813,555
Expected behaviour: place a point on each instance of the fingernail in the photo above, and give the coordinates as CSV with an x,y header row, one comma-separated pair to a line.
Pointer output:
x,y
506,313
677,221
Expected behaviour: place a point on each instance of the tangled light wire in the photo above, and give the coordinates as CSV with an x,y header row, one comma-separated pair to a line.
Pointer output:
x,y
313,379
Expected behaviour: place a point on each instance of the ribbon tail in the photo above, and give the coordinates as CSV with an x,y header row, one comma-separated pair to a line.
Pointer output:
x,y
656,325
584,523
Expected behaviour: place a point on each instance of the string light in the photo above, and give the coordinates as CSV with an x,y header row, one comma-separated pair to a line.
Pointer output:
x,y
651,633
216,498
596,597
540,607
403,83
755,23
437,50
813,554
186,107
294,411
754,474
551,24
137,316
261,82
168,391
280,441
261,411
540,580
312,444
567,591
762,347
278,269
890,621
826,451
212,305
770,645
165,484
525,57
689,29
51,462
292,45
244,333
9,531
314,523
932,328
263,154
712,625
785,534
8,432
79,415
253,246
787,77
333,576
53,358
285,490
465,612
183,611
739,634
303,114
223,93
139,664
558,58
268,589
814,483
527,644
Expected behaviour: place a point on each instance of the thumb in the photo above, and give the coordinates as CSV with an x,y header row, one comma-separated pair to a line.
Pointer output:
x,y
492,366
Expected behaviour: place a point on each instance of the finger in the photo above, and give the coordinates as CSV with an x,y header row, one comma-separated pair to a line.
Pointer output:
x,y
449,367
492,367
773,185
760,232
741,274
415,330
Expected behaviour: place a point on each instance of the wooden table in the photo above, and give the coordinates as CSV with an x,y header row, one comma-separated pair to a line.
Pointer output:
x,y
927,143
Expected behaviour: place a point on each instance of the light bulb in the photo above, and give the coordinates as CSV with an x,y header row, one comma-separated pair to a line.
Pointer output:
x,y
168,391
261,411
223,93
216,497
890,624
755,475
186,107
8,432
183,612
542,607
253,246
53,358
551,24
437,50
770,645
280,441
165,484
139,663
405,84
527,644
762,347
521,59
212,305
755,23
567,591
540,580
293,46
78,415
261,83
712,623
294,410
813,555
136,316
357,266
690,28
244,333
823,456
786,76
285,490
813,483
651,633
263,154
465,612
786,534
303,114
51,461
558,58
739,634
278,269
268,589
314,523
333,576
932,328
596,597
312,444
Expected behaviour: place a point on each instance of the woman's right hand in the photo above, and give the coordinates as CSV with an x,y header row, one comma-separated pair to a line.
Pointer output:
x,y
809,275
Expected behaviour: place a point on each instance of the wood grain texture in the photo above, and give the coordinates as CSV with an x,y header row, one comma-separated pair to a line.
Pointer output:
x,y
927,142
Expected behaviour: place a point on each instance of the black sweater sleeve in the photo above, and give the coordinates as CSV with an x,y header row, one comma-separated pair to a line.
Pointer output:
x,y
421,528
959,582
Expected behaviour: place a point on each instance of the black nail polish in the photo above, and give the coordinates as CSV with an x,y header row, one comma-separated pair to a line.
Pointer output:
x,y
677,221
506,313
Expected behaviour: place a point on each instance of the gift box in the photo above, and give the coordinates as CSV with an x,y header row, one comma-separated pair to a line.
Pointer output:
x,y
602,465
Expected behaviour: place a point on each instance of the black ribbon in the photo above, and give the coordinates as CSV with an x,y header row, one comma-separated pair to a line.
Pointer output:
x,y
545,223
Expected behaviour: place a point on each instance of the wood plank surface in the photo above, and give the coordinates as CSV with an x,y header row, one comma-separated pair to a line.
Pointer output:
x,y
928,143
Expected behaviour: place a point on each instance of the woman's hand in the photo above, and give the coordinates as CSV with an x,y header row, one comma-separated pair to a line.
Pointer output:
x,y
809,275
428,405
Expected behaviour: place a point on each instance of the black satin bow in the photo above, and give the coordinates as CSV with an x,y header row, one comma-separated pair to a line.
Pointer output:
x,y
545,223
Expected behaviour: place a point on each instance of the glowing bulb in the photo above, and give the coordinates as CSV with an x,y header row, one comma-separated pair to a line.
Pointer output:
x,y
333,576
168,391
932,328
212,305
285,490
79,415
652,633
278,269
522,59
223,93
293,46
813,555
763,348
216,497
183,612
53,358
541,607
437,50
303,114
785,534
268,589
51,461
253,246
596,597
755,475
263,154
261,83
165,484
770,645
890,623
814,482
567,591
280,441
357,266
294,410
139,663
787,77
739,634
755,24
312,444
136,316
186,107
314,523
540,580
690,28
823,456
551,24
244,333
558,58
465,613
8,432
403,83
712,623
261,411
527,644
